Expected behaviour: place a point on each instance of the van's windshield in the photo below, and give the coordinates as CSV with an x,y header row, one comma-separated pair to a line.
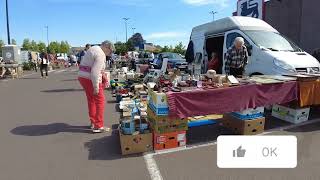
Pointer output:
x,y
272,41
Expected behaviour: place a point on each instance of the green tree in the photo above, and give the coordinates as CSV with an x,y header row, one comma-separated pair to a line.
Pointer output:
x,y
26,45
64,47
165,49
130,45
54,47
42,47
121,48
34,46
14,42
179,48
1,45
136,39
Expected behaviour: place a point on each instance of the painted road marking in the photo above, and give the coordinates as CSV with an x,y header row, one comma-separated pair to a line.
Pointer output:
x,y
153,167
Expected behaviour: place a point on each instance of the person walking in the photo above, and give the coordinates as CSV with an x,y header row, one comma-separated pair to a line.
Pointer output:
x,y
236,58
93,80
44,65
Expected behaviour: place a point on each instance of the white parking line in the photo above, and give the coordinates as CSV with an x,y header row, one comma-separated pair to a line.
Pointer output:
x,y
153,167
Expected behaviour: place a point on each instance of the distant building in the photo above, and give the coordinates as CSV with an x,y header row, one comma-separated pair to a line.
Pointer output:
x,y
146,47
297,19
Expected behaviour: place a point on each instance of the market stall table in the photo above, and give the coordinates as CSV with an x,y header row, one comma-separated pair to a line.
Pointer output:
x,y
231,99
309,93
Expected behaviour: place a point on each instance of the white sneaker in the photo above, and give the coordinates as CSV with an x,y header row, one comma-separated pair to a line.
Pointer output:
x,y
101,130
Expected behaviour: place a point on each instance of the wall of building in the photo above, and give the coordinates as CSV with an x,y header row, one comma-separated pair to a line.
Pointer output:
x,y
285,16
310,25
296,19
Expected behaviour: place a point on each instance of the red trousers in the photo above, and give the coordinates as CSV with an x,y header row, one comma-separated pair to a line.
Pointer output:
x,y
95,102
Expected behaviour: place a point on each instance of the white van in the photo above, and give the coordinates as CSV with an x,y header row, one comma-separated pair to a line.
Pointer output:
x,y
270,53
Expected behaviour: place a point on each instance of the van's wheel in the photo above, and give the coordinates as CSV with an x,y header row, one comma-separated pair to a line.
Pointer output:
x,y
256,74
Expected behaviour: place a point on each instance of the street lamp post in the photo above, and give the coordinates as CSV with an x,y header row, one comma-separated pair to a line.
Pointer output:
x,y
47,27
8,28
126,20
213,13
133,30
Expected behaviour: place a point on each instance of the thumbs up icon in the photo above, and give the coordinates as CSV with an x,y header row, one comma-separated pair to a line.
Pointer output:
x,y
239,152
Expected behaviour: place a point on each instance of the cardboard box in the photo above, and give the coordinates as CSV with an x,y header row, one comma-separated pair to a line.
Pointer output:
x,y
258,110
244,127
169,128
295,116
169,140
166,124
252,113
133,144
159,111
159,100
162,120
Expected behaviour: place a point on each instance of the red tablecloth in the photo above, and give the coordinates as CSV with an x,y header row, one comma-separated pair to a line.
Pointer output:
x,y
232,99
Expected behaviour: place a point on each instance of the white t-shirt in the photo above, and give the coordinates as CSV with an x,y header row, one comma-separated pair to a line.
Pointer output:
x,y
45,61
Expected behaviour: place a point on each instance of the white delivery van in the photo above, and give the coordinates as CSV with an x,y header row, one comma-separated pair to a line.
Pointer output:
x,y
270,53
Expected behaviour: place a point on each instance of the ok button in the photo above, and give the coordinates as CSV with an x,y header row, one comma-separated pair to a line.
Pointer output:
x,y
269,152
257,152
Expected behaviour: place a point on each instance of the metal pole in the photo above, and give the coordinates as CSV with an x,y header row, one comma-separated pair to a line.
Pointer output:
x,y
133,31
47,27
126,19
213,13
8,28
126,32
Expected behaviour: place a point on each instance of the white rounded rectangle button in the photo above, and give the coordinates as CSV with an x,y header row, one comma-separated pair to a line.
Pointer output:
x,y
257,152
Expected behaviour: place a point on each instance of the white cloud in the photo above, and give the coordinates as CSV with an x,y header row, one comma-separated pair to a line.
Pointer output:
x,y
222,3
166,35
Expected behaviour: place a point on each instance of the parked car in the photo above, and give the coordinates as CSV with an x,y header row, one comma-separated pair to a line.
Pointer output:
x,y
174,60
270,52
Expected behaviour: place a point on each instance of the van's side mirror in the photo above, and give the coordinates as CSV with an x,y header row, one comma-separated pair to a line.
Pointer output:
x,y
249,48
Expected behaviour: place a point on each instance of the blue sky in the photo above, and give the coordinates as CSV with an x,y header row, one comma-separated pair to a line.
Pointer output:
x,y
163,22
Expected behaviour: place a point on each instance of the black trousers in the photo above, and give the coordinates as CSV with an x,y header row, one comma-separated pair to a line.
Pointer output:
x,y
236,72
35,66
45,67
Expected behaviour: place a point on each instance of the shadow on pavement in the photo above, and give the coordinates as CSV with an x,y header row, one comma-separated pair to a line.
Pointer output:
x,y
43,130
67,80
62,90
313,127
272,123
106,148
117,108
30,78
205,134
112,102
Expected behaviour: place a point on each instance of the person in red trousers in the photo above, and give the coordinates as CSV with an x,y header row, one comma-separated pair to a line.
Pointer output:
x,y
92,78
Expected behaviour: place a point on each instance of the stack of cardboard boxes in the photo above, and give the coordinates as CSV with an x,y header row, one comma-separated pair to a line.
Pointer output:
x,y
168,132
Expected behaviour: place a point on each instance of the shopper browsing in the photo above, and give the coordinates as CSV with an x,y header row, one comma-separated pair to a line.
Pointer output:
x,y
92,78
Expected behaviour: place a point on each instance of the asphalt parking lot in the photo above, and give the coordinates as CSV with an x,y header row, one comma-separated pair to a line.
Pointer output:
x,y
44,136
